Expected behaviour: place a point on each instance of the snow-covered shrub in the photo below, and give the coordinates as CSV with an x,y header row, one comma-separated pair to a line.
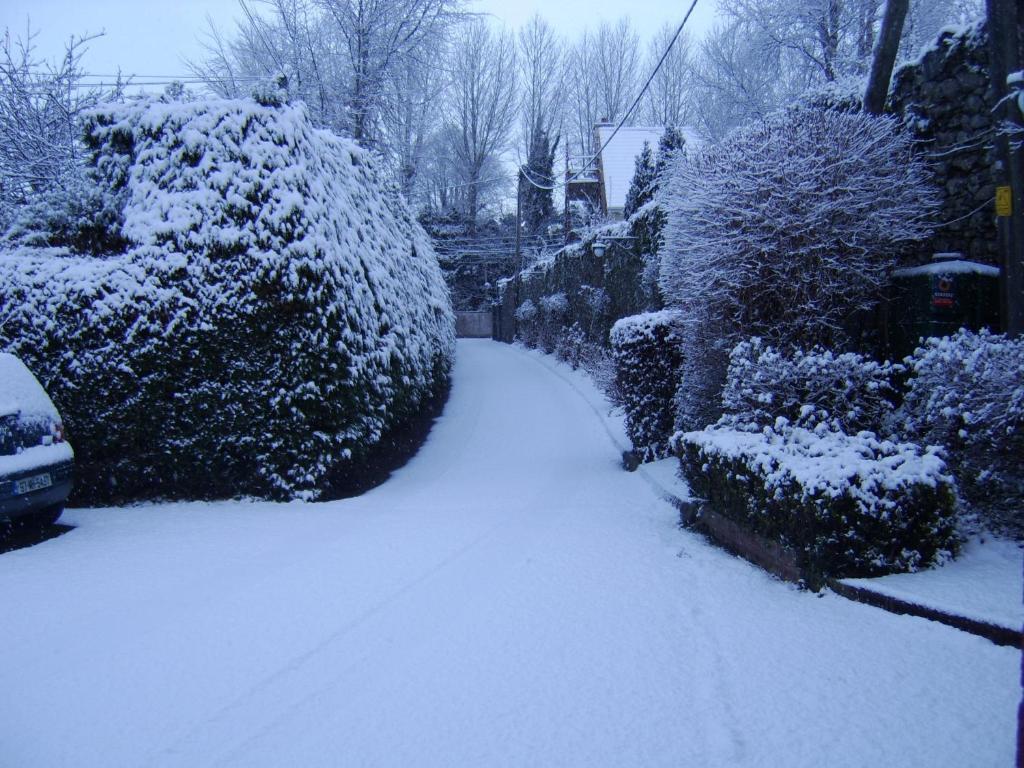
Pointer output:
x,y
648,358
787,229
553,311
277,315
847,391
845,505
83,216
528,321
571,346
966,393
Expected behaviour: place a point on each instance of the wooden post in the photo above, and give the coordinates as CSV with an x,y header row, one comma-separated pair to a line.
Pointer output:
x,y
1004,29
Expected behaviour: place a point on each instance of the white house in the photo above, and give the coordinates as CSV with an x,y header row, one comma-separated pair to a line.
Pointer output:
x,y
617,162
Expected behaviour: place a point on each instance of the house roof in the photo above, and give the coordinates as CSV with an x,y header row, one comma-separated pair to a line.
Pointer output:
x,y
618,160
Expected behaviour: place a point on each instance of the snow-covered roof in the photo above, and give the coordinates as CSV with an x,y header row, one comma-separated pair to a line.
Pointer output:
x,y
618,159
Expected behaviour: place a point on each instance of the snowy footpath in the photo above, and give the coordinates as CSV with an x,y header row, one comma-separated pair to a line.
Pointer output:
x,y
509,598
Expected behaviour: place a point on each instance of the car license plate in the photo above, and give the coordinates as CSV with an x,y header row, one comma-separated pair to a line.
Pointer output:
x,y
34,483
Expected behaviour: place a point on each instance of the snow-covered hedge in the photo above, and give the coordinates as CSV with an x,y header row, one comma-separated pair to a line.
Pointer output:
x,y
277,314
647,362
966,393
848,391
846,505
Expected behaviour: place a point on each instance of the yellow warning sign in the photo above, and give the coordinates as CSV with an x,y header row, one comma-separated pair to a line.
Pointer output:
x,y
1004,201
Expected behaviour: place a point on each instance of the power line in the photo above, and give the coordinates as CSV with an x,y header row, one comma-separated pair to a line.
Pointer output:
x,y
625,116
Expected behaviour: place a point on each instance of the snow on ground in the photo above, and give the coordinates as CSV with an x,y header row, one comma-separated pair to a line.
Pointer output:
x,y
510,597
985,583
663,475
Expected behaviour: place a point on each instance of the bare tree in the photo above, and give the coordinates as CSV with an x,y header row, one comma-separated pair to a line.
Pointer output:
x,y
830,37
617,63
669,100
583,92
377,35
603,72
349,60
40,106
409,117
542,82
291,36
480,108
736,79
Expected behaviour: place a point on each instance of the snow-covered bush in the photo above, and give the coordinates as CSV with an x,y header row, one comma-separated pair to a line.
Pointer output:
x,y
527,319
845,505
966,393
553,311
277,315
849,392
83,216
647,360
787,229
571,346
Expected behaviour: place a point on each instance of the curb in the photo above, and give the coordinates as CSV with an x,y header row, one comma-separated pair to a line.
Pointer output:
x,y
770,562
995,633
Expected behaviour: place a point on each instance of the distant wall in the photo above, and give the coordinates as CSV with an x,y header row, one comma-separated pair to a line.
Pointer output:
x,y
474,325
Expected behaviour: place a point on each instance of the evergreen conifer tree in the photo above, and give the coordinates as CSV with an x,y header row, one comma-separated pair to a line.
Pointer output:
x,y
537,204
642,188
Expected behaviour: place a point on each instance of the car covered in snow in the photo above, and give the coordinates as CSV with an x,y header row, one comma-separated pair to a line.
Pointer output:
x,y
36,462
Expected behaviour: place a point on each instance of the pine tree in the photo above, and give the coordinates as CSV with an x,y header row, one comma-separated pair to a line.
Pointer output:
x,y
643,186
669,145
537,204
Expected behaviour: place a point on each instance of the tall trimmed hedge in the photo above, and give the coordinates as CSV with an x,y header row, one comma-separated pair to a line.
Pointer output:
x,y
648,358
277,315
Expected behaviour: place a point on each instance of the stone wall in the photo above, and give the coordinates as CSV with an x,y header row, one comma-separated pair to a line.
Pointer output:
x,y
946,100
598,290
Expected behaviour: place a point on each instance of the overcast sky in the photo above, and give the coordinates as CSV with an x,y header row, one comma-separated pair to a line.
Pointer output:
x,y
155,38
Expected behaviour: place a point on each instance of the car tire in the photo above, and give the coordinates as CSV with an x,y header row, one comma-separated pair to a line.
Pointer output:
x,y
41,520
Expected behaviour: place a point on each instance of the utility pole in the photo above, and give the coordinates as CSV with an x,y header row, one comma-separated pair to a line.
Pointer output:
x,y
1004,28
566,212
519,249
519,220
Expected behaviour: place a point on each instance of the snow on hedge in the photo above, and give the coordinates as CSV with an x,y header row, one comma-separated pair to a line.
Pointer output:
x,y
825,461
277,313
648,356
847,504
847,390
966,393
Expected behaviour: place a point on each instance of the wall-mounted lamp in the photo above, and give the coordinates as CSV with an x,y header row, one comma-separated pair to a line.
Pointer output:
x,y
601,246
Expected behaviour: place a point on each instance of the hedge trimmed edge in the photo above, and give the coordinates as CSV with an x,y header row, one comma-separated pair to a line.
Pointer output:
x,y
845,505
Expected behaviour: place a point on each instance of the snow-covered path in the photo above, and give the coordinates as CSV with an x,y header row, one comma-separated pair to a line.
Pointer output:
x,y
510,597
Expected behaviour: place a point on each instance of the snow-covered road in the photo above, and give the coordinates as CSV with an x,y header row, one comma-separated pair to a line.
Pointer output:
x,y
509,598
